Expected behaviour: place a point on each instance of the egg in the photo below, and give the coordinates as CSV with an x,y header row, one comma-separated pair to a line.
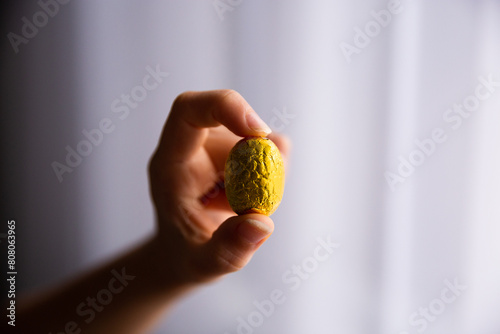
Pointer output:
x,y
254,176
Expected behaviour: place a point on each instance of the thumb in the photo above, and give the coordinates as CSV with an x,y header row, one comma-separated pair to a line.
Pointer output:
x,y
232,245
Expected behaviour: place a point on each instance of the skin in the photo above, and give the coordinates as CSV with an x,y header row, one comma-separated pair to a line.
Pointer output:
x,y
198,239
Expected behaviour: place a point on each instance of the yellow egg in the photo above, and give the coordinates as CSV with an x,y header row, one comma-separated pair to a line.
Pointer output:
x,y
254,176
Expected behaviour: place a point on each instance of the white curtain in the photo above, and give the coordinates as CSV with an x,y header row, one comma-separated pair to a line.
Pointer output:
x,y
354,113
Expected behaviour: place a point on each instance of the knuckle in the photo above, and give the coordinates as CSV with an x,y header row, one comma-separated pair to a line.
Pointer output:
x,y
227,260
227,97
181,100
153,165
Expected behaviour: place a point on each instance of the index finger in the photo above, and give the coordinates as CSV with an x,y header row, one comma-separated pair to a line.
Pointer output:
x,y
193,112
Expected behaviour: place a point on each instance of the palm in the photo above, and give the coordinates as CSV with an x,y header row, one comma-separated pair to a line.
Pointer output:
x,y
197,183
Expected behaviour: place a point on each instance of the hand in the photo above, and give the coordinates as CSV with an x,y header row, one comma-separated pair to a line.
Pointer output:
x,y
199,237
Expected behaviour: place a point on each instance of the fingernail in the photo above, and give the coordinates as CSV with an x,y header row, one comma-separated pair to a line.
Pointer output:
x,y
255,123
254,231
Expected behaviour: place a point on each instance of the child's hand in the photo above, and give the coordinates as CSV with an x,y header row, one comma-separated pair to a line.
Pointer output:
x,y
200,237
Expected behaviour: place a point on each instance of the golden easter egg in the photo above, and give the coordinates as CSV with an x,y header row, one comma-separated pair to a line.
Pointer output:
x,y
254,176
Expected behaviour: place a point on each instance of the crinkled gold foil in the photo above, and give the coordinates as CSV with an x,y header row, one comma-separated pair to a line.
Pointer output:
x,y
254,176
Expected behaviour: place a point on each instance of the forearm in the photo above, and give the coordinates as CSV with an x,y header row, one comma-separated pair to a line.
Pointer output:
x,y
124,296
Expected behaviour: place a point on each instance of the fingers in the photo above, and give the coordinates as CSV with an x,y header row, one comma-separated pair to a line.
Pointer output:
x,y
220,141
284,145
193,112
282,141
218,144
232,245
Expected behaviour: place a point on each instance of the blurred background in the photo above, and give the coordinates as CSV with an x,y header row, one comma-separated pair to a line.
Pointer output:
x,y
393,111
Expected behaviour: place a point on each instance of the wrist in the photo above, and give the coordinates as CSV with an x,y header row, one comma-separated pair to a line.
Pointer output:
x,y
165,266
